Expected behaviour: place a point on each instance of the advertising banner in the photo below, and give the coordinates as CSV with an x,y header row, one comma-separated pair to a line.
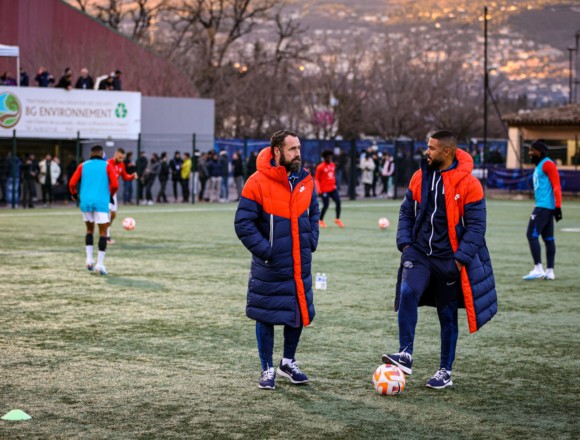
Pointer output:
x,y
48,113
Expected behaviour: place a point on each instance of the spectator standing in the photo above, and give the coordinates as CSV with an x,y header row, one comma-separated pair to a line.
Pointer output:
x,y
203,176
387,174
128,184
85,81
107,83
117,83
13,181
150,176
185,173
367,166
66,80
43,78
24,79
175,168
163,178
142,163
238,170
225,166
49,172
28,181
215,176
251,164
7,80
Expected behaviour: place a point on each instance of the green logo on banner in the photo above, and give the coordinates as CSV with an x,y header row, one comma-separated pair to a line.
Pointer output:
x,y
10,110
121,111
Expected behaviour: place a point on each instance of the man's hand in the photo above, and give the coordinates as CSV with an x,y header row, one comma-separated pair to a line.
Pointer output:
x,y
74,197
558,214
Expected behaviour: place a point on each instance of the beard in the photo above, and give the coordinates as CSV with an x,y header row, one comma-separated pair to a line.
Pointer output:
x,y
537,159
434,165
293,166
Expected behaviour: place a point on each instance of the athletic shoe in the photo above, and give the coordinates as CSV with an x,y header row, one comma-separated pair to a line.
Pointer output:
x,y
110,241
441,379
101,270
268,379
90,267
549,275
402,360
321,224
339,223
534,275
292,372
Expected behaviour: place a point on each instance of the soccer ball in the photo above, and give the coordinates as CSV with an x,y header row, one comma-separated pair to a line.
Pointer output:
x,y
388,380
384,223
129,223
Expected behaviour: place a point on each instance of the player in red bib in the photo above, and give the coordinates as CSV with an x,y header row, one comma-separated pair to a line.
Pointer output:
x,y
325,180
118,164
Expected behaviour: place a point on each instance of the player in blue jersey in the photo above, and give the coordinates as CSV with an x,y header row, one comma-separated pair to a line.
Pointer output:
x,y
548,194
98,184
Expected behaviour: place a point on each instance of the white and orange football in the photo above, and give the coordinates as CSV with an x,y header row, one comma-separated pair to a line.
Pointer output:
x,y
388,380
129,223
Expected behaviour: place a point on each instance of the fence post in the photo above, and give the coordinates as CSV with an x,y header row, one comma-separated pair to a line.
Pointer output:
x,y
194,169
78,157
353,166
139,189
15,184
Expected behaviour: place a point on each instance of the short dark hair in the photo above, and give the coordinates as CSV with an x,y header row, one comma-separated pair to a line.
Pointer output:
x,y
446,137
327,153
97,149
277,139
539,145
121,150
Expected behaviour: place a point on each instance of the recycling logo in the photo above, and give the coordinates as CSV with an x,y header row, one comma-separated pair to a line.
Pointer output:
x,y
121,111
10,110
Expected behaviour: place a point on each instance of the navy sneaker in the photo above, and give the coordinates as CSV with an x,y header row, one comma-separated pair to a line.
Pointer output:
x,y
441,379
402,360
292,372
268,379
90,267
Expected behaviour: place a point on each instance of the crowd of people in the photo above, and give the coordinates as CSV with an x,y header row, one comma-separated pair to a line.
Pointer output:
x,y
84,81
164,179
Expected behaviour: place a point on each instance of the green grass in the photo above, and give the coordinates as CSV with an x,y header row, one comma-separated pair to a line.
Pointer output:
x,y
162,348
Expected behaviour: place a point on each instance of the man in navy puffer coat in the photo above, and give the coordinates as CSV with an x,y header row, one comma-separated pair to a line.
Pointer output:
x,y
277,221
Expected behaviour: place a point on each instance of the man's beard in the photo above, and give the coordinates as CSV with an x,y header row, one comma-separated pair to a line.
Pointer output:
x,y
434,165
537,159
293,166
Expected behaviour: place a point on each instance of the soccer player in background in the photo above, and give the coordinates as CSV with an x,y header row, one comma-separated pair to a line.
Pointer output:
x,y
445,262
118,164
325,179
98,184
548,195
277,221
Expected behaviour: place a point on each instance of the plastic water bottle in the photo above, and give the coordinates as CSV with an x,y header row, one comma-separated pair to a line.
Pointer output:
x,y
317,283
323,282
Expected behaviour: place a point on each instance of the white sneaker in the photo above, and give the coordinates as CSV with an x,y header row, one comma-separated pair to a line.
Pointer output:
x,y
534,275
150,202
549,275
101,270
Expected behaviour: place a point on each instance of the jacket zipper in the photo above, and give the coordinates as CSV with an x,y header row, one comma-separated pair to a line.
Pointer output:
x,y
436,184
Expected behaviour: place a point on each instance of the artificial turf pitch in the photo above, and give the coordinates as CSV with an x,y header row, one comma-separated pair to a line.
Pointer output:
x,y
161,348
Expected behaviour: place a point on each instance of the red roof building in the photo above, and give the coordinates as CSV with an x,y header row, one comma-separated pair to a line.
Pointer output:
x,y
53,34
